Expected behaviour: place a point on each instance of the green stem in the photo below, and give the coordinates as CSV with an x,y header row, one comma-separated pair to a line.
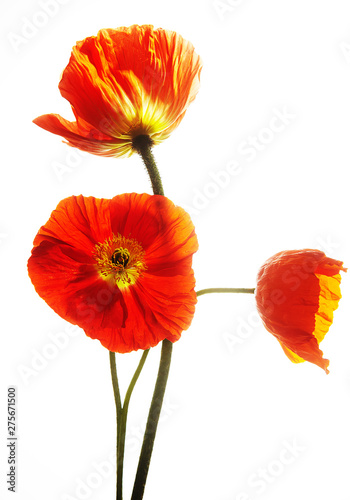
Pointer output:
x,y
142,144
122,415
115,384
122,424
225,290
134,380
119,485
152,422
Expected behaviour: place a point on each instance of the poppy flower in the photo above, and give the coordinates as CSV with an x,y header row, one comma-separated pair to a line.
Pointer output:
x,y
296,294
124,83
119,268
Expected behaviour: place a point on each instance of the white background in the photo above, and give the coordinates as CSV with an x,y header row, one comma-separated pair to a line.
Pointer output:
x,y
234,402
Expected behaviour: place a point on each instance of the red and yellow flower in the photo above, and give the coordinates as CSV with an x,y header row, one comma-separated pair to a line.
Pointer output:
x,y
119,268
296,294
124,83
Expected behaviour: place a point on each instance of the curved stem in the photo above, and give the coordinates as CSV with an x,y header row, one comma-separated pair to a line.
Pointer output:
x,y
142,144
225,290
152,422
119,485
115,384
134,380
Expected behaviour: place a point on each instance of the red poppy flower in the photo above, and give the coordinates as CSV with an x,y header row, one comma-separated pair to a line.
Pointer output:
x,y
296,294
120,268
124,83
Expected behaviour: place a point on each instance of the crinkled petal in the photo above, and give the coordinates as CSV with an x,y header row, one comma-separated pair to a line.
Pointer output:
x,y
84,138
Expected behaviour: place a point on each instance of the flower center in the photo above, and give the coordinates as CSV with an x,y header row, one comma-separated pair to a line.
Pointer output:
x,y
120,256
119,260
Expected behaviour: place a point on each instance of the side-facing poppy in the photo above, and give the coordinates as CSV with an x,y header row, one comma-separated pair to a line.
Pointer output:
x,y
296,294
119,268
124,83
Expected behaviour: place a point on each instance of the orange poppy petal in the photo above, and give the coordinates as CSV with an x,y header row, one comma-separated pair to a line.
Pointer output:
x,y
291,355
83,137
300,345
78,221
328,303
